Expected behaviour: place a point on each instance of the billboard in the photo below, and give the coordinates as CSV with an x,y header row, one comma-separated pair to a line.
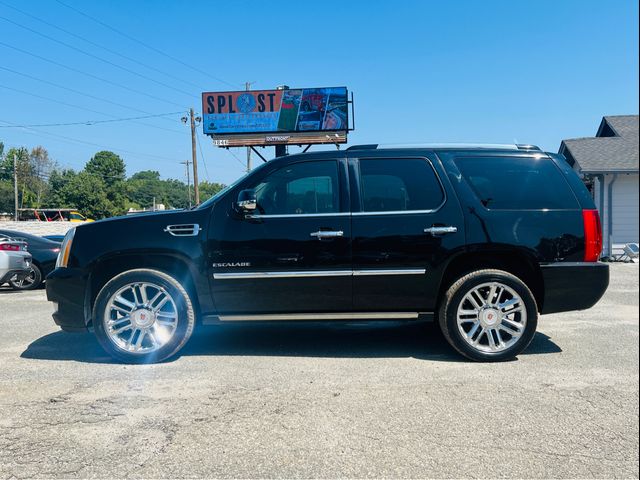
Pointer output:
x,y
276,111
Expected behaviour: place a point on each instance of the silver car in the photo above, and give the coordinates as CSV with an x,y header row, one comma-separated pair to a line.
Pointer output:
x,y
14,259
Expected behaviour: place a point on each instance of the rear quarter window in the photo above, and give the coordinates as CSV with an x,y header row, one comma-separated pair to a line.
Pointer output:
x,y
517,183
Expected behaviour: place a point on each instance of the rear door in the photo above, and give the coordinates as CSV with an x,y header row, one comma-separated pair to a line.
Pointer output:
x,y
406,224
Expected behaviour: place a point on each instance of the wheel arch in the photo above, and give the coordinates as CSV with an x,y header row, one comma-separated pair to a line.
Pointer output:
x,y
171,263
512,260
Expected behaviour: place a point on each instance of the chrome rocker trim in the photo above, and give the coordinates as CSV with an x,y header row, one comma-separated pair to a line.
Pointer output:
x,y
320,316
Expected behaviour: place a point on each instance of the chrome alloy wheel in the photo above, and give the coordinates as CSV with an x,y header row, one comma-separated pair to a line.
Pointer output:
x,y
140,318
491,317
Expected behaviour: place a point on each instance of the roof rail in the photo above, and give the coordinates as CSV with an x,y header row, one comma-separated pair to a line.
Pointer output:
x,y
486,146
527,146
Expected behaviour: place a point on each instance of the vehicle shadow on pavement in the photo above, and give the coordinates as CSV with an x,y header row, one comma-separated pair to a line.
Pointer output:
x,y
386,340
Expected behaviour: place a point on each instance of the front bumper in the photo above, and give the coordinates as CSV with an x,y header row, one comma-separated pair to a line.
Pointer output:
x,y
66,288
573,286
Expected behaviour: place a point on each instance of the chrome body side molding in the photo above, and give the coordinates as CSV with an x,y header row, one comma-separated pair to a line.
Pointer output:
x,y
317,273
285,274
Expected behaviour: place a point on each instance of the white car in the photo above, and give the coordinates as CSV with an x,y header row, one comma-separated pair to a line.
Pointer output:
x,y
14,259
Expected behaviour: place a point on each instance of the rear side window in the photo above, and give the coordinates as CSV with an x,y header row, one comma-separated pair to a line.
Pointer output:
x,y
517,183
402,184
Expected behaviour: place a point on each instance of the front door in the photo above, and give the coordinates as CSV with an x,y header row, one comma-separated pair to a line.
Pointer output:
x,y
293,255
406,224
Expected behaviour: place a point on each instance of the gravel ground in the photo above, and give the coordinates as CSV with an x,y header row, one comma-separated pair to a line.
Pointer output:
x,y
336,401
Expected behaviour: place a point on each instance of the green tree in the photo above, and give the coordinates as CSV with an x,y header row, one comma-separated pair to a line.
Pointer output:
x,y
88,194
58,181
6,196
108,166
209,189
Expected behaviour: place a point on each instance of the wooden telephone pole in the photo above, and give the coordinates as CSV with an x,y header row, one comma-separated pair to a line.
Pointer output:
x,y
194,158
15,187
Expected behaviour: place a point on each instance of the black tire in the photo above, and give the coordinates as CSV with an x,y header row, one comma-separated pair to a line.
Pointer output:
x,y
180,297
447,315
31,282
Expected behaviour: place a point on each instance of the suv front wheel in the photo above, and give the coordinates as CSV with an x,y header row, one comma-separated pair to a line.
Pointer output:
x,y
143,316
489,315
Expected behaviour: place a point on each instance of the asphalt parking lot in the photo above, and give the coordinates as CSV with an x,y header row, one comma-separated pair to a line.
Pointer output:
x,y
312,401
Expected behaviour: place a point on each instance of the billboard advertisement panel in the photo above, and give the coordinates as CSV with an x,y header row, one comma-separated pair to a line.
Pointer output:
x,y
275,111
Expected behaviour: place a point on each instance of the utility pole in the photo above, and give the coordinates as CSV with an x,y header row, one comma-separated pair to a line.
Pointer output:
x,y
247,86
193,121
15,187
186,163
194,158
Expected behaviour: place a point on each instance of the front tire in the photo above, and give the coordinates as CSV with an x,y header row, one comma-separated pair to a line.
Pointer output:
x,y
143,316
489,316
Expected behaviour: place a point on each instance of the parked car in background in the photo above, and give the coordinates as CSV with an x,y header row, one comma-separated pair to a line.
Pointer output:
x,y
15,261
44,253
54,238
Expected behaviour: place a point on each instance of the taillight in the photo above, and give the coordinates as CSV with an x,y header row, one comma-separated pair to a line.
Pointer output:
x,y
592,235
9,247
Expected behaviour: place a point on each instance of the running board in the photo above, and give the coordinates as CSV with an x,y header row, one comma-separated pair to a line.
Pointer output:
x,y
318,317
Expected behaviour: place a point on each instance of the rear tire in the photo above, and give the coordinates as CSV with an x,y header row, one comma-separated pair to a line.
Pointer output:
x,y
489,316
32,281
143,316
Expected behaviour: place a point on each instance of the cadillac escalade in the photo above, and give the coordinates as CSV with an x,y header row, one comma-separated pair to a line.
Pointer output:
x,y
479,238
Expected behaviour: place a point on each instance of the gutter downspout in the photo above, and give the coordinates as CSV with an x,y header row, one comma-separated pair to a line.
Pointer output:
x,y
610,212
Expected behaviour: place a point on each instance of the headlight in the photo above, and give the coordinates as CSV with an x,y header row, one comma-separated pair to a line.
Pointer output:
x,y
65,249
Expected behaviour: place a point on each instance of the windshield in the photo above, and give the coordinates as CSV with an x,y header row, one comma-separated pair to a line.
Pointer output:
x,y
228,187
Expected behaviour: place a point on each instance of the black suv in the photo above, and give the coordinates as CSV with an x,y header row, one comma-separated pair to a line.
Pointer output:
x,y
480,238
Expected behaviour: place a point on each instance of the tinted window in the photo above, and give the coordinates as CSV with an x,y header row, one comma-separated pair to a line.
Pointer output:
x,y
399,185
300,188
517,183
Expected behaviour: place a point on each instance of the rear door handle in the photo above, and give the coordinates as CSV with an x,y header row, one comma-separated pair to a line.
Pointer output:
x,y
435,231
327,234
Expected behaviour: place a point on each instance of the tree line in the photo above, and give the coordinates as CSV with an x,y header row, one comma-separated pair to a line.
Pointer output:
x,y
101,189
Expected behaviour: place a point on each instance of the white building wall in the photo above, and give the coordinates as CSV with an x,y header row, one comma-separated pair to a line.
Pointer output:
x,y
625,211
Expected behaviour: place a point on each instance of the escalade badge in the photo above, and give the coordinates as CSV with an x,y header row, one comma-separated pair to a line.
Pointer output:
x,y
232,264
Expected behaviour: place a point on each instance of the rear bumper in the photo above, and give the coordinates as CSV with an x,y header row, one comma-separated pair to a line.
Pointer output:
x,y
66,288
573,286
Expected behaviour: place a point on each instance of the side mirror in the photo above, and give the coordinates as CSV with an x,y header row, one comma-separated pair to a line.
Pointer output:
x,y
247,201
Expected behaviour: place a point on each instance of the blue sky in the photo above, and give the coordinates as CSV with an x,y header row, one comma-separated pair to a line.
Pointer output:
x,y
421,71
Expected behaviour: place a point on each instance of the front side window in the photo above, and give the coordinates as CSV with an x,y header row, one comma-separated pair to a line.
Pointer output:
x,y
402,184
299,189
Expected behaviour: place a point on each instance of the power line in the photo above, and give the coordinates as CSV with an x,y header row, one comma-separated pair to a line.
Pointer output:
x,y
91,55
24,92
75,140
106,49
89,122
77,92
133,39
206,171
138,92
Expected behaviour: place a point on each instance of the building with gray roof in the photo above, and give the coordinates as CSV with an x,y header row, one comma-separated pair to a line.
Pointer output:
x,y
608,164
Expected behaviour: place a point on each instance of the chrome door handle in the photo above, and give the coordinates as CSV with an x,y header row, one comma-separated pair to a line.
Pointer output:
x,y
327,234
440,230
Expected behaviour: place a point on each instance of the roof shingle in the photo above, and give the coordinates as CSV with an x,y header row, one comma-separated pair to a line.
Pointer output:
x,y
607,153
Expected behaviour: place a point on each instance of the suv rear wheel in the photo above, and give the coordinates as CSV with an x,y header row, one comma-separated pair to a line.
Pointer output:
x,y
489,315
143,316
